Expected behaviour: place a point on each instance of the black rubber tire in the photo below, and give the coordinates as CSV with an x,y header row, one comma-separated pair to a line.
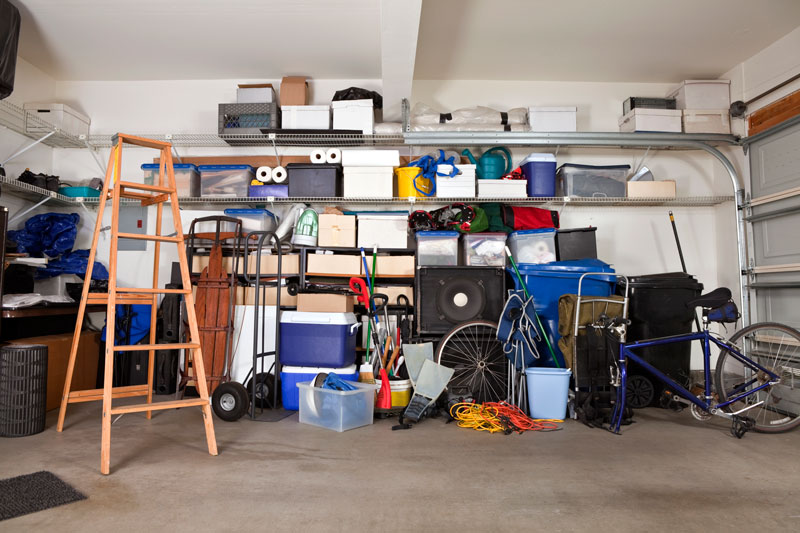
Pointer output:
x,y
640,391
263,397
762,425
230,401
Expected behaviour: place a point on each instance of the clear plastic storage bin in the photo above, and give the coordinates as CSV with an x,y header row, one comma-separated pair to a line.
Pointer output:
x,y
187,178
484,249
437,248
254,219
533,246
587,181
225,180
337,410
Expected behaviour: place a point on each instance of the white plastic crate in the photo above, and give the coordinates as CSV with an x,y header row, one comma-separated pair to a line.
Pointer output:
x,y
60,116
702,94
353,115
368,182
544,119
502,189
644,119
384,231
305,117
706,121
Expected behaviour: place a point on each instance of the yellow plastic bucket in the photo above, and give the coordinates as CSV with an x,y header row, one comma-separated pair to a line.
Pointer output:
x,y
405,182
401,392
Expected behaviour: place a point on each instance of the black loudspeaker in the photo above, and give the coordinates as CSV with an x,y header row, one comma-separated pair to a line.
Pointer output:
x,y
446,296
168,331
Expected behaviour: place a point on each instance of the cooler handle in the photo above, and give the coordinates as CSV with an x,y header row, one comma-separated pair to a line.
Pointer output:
x,y
353,328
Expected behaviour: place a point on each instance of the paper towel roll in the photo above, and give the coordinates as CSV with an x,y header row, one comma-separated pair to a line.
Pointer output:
x,y
279,174
333,155
264,174
318,156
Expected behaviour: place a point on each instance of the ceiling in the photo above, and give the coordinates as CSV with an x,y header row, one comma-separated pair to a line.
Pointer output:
x,y
595,40
559,40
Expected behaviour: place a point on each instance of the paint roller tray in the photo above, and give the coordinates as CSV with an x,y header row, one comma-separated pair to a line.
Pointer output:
x,y
337,410
289,137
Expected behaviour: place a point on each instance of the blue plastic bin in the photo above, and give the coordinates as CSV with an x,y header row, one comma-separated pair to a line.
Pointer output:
x,y
547,282
540,171
268,189
548,389
79,192
318,339
292,375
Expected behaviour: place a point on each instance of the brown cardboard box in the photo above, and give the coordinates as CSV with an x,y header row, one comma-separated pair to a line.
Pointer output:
x,y
392,265
199,262
290,264
325,303
85,374
247,296
651,189
394,292
337,230
294,90
337,264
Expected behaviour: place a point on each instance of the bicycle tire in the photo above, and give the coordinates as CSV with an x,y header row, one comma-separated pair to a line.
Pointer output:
x,y
472,349
757,342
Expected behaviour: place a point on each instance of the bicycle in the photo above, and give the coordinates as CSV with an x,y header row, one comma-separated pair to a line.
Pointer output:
x,y
757,376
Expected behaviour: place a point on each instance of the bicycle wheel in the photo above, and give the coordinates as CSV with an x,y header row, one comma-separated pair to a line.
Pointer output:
x,y
472,349
777,348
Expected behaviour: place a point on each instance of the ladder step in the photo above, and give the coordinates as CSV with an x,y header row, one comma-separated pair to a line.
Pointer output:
x,y
122,299
143,187
144,237
94,395
149,290
148,347
175,404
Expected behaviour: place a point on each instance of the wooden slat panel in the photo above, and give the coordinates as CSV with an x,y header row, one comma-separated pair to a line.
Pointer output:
x,y
774,113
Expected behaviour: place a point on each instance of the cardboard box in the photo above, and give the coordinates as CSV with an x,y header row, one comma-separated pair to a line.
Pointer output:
x,y
651,189
394,292
247,296
255,93
338,264
199,262
392,265
85,374
294,90
325,303
290,264
337,230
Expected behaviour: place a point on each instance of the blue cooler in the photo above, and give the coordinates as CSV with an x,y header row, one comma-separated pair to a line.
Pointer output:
x,y
540,171
318,339
292,375
547,282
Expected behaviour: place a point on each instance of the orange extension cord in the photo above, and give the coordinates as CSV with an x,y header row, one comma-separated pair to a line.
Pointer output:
x,y
496,417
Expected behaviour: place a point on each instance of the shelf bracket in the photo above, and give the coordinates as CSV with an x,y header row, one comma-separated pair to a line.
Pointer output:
x,y
21,213
93,151
26,148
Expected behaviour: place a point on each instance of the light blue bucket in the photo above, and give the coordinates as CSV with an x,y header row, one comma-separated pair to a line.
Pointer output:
x,y
548,389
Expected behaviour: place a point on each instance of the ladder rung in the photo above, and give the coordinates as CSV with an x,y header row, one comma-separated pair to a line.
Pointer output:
x,y
144,187
139,141
93,395
144,237
175,404
150,290
147,347
122,299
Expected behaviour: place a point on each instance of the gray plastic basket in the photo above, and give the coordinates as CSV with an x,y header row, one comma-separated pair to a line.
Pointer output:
x,y
248,118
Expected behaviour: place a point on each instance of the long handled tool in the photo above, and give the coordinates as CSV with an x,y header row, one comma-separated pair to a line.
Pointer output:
x,y
538,320
683,263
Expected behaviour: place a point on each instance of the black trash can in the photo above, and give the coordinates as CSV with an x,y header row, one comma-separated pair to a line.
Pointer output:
x,y
23,389
658,308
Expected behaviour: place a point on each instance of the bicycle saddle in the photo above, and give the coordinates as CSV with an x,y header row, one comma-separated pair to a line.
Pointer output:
x,y
715,298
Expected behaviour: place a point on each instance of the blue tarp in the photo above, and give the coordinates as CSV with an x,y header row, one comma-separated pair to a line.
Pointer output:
x,y
50,234
140,325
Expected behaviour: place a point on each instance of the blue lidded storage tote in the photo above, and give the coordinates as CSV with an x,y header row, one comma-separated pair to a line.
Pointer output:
x,y
318,339
292,375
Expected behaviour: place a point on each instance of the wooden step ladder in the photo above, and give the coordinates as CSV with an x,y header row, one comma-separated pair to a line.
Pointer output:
x,y
115,189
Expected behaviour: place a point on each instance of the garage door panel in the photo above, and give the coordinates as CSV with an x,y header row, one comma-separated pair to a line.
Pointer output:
x,y
775,163
776,241
778,303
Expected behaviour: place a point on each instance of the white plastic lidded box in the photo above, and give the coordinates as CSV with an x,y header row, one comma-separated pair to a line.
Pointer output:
x,y
384,231
60,116
644,119
702,94
370,158
706,121
368,182
354,115
305,117
544,119
502,188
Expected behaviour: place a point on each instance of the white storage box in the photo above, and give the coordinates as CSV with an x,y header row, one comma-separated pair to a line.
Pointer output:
x,y
702,94
305,117
353,115
464,171
383,231
706,121
371,158
455,188
437,248
644,119
502,189
368,182
226,180
337,410
259,93
651,189
484,249
533,246
60,116
553,118
187,178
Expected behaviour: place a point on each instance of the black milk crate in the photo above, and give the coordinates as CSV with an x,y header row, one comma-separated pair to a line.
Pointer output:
x,y
646,102
248,118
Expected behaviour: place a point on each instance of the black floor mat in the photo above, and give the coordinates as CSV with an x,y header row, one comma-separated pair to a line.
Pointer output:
x,y
35,492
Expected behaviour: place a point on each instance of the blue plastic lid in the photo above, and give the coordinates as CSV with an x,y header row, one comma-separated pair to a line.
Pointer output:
x,y
436,234
540,231
181,166
248,212
226,167
578,265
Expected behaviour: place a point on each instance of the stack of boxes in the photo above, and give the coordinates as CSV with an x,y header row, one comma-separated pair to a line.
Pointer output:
x,y
369,173
462,185
705,105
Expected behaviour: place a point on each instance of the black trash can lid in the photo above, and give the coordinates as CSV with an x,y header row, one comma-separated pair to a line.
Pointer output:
x,y
667,280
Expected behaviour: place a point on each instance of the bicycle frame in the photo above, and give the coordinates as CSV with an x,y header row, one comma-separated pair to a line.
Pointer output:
x,y
706,404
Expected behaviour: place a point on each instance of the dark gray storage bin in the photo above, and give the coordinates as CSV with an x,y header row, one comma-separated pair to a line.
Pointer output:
x,y
576,243
307,180
248,118
23,389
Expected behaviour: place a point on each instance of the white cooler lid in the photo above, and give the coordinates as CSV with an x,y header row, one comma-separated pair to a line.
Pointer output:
x,y
316,370
319,319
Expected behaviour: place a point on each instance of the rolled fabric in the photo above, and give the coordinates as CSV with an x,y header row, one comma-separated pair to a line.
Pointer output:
x,y
264,174
318,156
333,155
279,175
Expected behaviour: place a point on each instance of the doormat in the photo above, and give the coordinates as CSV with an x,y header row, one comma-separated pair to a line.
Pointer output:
x,y
35,492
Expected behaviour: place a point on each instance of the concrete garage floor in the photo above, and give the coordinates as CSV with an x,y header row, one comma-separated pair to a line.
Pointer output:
x,y
664,473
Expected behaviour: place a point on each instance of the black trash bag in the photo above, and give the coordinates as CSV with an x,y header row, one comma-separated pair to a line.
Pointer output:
x,y
357,93
9,38
43,181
